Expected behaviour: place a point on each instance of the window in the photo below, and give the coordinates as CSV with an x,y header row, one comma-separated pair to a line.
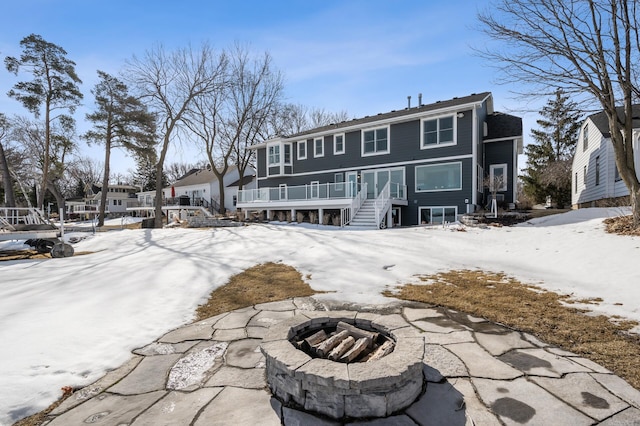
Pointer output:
x,y
375,141
439,177
436,215
576,182
274,155
338,144
584,176
302,150
616,174
437,132
287,154
585,138
318,147
338,178
597,170
498,177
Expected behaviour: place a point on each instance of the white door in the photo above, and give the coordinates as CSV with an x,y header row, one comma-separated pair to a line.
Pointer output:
x,y
315,189
352,184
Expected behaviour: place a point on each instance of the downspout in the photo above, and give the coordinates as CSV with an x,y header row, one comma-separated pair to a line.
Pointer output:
x,y
474,163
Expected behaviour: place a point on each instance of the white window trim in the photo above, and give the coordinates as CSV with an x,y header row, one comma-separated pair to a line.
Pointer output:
x,y
339,186
439,145
269,163
371,154
302,143
335,150
415,182
420,208
505,184
284,160
315,154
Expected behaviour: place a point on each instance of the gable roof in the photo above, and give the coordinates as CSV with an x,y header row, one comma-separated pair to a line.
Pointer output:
x,y
602,123
199,177
471,99
245,180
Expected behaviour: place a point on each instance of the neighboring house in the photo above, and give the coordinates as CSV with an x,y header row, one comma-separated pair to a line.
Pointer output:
x,y
421,165
200,188
595,180
119,197
231,190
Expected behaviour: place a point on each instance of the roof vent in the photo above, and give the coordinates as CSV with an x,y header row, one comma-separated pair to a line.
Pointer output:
x,y
409,101
419,99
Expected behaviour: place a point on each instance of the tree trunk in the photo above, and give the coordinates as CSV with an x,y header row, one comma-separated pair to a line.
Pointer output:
x,y
9,195
634,197
163,153
221,190
105,182
45,167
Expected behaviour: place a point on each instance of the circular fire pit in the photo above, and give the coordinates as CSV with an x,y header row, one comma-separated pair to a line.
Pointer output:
x,y
376,386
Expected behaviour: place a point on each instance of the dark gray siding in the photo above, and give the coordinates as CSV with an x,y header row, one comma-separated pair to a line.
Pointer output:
x,y
262,162
443,198
500,153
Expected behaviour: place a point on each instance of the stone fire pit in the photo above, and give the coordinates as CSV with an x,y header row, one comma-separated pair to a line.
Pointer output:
x,y
342,390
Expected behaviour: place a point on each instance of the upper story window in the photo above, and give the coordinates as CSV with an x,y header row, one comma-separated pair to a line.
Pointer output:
x,y
338,144
287,154
585,138
274,155
438,132
597,170
375,141
302,150
318,147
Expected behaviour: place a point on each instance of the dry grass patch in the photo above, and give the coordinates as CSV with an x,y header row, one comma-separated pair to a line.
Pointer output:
x,y
31,254
621,225
267,282
545,314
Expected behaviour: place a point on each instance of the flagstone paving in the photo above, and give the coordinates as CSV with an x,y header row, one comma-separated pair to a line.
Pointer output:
x,y
477,373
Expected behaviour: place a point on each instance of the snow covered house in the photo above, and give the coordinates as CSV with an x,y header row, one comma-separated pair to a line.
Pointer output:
x,y
595,179
420,165
200,188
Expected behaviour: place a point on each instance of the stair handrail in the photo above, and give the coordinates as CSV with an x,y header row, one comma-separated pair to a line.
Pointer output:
x,y
348,213
381,203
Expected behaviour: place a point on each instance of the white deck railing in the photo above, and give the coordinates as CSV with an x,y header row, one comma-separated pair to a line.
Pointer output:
x,y
348,213
310,192
382,203
22,216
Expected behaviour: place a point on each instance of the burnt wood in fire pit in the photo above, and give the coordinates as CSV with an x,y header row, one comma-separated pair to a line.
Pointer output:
x,y
345,343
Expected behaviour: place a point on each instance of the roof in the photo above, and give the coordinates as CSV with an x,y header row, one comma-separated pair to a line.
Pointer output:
x,y
199,177
465,100
503,126
602,122
245,180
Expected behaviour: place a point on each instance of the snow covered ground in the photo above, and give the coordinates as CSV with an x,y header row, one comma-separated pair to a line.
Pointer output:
x,y
66,321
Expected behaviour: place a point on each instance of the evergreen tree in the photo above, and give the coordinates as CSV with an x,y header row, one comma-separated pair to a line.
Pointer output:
x,y
54,87
119,121
145,174
549,158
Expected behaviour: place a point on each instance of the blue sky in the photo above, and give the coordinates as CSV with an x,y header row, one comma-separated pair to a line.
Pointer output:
x,y
362,56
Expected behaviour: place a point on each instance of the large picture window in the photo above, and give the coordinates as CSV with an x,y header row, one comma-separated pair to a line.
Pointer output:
x,y
274,155
439,177
375,141
437,215
438,132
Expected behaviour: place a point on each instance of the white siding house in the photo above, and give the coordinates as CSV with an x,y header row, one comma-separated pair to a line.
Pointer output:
x,y
594,176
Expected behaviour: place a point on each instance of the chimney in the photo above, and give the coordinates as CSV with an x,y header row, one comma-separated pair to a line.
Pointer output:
x,y
409,101
419,99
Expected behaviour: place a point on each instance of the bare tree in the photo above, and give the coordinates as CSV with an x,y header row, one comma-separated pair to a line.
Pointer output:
x,y
169,82
588,48
255,91
175,171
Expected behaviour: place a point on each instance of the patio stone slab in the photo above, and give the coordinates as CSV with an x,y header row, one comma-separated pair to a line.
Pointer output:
x,y
282,305
253,378
244,353
230,335
238,406
439,325
150,375
498,344
628,417
444,362
449,338
538,362
189,332
269,318
98,386
584,393
402,420
235,319
293,417
157,348
480,363
177,408
522,402
108,409
415,314
477,413
441,404
619,388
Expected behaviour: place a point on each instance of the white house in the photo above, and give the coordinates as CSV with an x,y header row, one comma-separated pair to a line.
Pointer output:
x,y
119,197
200,188
595,178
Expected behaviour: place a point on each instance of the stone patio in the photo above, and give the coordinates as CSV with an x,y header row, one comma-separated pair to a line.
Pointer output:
x,y
477,373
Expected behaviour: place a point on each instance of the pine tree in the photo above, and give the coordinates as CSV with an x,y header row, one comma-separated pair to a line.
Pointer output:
x,y
549,158
145,174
